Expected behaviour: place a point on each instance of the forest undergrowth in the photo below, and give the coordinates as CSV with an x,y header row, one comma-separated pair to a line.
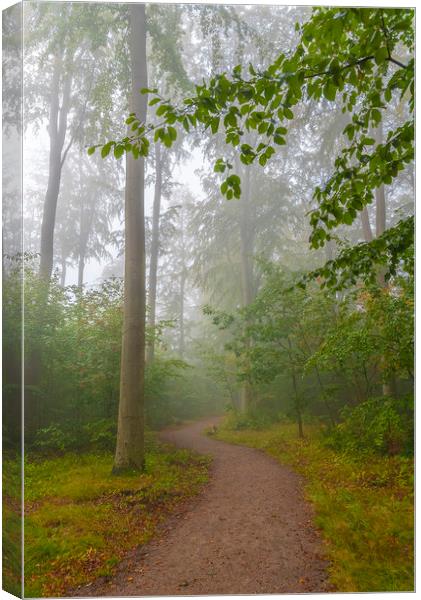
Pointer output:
x,y
80,520
363,504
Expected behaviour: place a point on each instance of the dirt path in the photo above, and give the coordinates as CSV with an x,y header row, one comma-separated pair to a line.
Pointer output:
x,y
250,531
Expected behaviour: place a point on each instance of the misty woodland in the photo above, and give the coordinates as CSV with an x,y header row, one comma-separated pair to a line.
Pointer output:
x,y
208,287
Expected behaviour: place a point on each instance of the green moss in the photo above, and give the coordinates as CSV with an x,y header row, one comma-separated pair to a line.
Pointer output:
x,y
74,506
364,506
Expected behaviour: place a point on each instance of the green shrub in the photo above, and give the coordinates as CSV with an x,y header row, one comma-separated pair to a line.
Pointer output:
x,y
238,421
382,425
53,438
102,435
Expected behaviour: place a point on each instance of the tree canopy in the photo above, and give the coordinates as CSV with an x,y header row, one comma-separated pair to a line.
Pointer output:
x,y
361,56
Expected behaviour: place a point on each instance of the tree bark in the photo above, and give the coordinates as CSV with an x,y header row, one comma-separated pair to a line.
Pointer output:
x,y
153,266
365,222
130,434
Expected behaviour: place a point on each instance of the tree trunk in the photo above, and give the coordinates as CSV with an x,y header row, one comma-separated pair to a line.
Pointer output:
x,y
153,266
389,387
181,347
80,271
247,286
63,271
57,131
380,194
130,434
365,222
85,225
246,239
183,277
297,402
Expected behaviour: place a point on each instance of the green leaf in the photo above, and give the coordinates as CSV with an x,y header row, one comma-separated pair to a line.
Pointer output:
x,y
118,151
329,91
172,133
91,150
381,55
148,91
215,124
105,150
161,110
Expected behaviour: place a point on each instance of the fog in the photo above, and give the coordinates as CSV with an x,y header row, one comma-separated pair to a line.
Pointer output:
x,y
207,257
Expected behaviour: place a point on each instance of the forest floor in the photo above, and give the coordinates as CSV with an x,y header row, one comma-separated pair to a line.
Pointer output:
x,y
81,521
249,531
363,501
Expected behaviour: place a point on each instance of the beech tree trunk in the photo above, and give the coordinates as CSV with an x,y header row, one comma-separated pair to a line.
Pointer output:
x,y
153,266
130,434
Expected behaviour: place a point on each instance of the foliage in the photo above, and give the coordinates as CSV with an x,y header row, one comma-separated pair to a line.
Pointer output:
x,y
382,425
73,507
392,251
78,336
373,333
309,355
364,506
353,54
236,421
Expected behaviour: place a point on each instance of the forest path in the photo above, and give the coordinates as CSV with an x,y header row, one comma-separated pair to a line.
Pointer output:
x,y
249,532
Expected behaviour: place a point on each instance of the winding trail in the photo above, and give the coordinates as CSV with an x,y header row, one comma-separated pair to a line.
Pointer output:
x,y
249,532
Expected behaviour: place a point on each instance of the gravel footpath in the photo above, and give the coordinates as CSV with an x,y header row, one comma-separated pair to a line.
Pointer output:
x,y
249,532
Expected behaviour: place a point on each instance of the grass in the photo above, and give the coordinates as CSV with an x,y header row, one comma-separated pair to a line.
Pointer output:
x,y
12,525
74,507
364,506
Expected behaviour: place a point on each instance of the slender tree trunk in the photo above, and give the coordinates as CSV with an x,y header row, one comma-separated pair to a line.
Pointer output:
x,y
246,239
57,131
365,222
247,284
183,277
130,434
153,266
380,194
80,271
85,224
389,387
63,271
297,402
181,348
